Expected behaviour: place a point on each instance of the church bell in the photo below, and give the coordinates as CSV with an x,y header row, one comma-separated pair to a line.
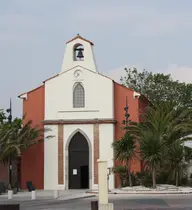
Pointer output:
x,y
80,53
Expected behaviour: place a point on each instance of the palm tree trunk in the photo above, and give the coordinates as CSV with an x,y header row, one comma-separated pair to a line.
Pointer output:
x,y
10,172
154,177
121,181
14,172
130,180
177,178
129,174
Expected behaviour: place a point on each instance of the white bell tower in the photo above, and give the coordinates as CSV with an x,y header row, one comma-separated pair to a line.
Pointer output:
x,y
79,52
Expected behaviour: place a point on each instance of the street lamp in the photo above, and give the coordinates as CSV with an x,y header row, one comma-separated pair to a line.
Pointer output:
x,y
9,110
127,115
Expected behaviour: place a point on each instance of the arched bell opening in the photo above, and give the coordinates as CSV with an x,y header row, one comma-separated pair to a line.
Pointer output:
x,y
78,52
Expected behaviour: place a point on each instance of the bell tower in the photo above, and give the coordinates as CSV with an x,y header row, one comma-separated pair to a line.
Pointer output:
x,y
79,52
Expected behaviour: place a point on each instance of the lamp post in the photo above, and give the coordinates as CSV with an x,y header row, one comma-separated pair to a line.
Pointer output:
x,y
127,115
10,162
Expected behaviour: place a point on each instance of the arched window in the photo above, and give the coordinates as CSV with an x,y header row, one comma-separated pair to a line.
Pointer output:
x,y
78,52
78,96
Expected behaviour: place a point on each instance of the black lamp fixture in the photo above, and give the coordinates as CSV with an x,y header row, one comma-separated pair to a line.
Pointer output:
x,y
9,110
127,115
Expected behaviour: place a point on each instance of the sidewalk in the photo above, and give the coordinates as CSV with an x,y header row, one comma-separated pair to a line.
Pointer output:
x,y
64,195
161,189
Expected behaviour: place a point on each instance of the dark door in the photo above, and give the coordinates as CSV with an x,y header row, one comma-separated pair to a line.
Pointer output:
x,y
84,173
78,162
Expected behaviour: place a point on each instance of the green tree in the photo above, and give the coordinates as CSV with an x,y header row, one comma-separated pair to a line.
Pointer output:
x,y
158,87
2,116
122,171
151,147
163,125
17,137
125,150
176,159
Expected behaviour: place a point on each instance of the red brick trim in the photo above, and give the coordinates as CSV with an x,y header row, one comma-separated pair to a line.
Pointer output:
x,y
94,121
96,151
60,155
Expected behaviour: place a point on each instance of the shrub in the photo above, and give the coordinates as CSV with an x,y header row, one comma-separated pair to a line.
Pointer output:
x,y
162,178
144,179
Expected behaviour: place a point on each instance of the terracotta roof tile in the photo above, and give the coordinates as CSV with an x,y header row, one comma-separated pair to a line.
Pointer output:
x,y
50,78
30,90
80,37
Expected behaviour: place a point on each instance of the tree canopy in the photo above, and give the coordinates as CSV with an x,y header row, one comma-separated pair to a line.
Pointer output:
x,y
158,87
17,136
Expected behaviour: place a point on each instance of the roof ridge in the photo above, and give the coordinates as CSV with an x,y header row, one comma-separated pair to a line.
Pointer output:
x,y
80,37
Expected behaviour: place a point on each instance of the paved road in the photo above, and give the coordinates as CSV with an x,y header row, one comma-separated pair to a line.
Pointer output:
x,y
121,202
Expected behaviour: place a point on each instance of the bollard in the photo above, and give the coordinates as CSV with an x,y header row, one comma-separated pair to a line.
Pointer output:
x,y
102,182
106,206
10,194
56,194
33,195
94,205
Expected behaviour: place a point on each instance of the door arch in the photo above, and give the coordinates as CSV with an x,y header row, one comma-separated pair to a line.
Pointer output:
x,y
78,162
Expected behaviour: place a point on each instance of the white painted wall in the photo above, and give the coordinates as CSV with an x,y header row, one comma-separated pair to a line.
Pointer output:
x,y
98,96
89,58
51,159
106,138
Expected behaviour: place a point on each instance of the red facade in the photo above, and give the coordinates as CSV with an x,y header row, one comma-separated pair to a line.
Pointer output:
x,y
136,106
32,162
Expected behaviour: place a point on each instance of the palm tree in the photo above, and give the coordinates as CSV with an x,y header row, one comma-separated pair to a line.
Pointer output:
x,y
17,137
151,147
178,157
180,123
122,171
162,125
125,151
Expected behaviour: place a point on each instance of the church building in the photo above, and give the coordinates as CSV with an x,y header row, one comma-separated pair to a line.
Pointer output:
x,y
83,111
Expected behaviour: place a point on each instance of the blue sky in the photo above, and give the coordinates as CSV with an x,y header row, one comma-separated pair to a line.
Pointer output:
x,y
151,34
